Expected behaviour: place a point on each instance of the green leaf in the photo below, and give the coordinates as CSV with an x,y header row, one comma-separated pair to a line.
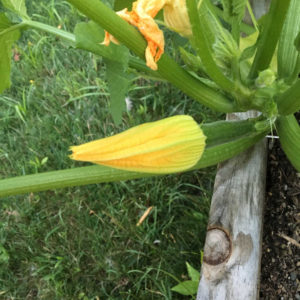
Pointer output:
x,y
192,61
193,273
6,41
220,13
234,8
4,256
89,37
118,82
289,135
186,288
287,52
248,52
4,22
17,6
248,45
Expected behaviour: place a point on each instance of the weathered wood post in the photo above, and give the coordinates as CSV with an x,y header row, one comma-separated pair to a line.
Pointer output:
x,y
232,251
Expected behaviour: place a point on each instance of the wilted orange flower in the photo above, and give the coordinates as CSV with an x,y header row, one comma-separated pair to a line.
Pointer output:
x,y
167,146
142,16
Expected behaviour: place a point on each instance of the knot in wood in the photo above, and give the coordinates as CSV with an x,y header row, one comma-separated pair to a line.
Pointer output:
x,y
217,246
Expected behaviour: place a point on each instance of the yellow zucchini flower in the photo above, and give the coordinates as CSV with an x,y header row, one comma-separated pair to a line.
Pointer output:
x,y
176,17
142,16
167,146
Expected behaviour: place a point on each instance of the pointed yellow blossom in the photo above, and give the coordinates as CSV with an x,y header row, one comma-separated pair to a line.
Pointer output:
x,y
176,17
167,146
142,16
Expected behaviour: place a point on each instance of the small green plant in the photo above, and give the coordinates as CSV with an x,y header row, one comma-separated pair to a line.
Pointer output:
x,y
37,163
188,287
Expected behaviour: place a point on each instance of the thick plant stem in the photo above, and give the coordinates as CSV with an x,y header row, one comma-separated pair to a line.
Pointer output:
x,y
289,134
269,36
64,178
44,27
167,68
289,101
50,29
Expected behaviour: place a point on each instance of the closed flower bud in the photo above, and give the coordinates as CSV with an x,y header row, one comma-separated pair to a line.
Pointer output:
x,y
176,17
167,146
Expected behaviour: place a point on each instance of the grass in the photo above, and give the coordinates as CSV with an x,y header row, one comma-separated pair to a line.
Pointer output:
x,y
83,243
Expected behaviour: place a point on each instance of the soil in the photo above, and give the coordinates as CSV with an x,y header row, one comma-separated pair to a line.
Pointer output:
x,y
280,278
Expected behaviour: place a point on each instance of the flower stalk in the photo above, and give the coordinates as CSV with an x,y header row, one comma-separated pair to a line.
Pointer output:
x,y
289,101
269,36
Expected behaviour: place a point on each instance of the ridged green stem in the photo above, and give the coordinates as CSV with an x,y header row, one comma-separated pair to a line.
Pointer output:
x,y
269,36
12,28
50,29
64,178
289,134
167,68
289,101
212,155
296,71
